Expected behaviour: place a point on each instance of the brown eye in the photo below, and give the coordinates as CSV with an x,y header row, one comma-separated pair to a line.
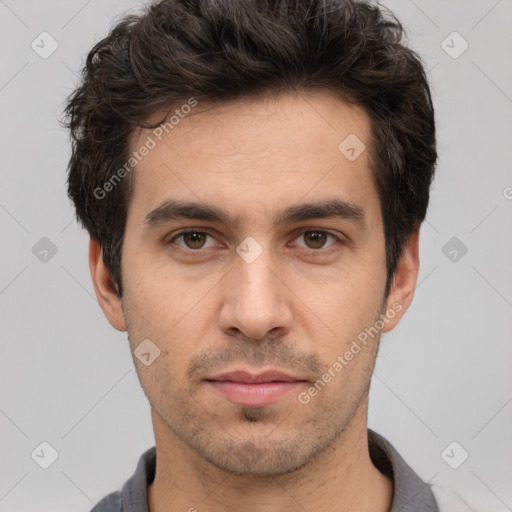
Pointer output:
x,y
315,239
192,239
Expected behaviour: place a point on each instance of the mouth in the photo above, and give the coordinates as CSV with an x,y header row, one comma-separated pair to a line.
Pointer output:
x,y
250,389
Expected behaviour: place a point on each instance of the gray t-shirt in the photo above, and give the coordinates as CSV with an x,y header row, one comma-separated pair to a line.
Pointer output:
x,y
410,493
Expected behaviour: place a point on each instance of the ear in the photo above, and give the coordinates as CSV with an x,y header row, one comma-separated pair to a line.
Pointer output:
x,y
104,287
404,282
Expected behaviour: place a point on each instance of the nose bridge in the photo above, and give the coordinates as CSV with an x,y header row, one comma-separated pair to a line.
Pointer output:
x,y
256,301
257,279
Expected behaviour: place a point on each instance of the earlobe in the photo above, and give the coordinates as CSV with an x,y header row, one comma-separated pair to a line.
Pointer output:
x,y
104,287
404,282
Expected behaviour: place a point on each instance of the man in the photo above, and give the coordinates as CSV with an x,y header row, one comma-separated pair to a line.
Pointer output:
x,y
253,176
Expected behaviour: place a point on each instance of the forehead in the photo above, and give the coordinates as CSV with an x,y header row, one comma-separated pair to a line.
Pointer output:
x,y
255,154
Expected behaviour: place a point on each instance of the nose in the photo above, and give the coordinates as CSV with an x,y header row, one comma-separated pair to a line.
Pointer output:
x,y
256,300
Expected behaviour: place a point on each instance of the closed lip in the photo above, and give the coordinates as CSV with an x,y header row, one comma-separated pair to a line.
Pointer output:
x,y
255,378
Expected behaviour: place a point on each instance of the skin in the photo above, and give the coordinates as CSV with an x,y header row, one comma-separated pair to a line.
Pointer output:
x,y
296,308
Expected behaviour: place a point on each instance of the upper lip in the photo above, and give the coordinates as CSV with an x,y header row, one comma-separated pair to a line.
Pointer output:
x,y
253,378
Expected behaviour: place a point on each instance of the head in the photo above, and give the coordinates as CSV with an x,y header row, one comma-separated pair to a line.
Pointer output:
x,y
304,135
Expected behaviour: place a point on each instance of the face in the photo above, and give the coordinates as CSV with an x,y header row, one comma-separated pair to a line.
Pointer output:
x,y
261,307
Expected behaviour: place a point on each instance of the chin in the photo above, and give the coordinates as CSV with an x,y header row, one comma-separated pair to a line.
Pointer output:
x,y
254,459
258,451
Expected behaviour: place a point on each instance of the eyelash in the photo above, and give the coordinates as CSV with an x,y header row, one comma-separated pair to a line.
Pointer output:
x,y
313,252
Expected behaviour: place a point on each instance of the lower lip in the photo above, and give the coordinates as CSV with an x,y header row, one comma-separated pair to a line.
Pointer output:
x,y
255,394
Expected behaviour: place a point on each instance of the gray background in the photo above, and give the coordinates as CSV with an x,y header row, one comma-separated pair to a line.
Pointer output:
x,y
443,375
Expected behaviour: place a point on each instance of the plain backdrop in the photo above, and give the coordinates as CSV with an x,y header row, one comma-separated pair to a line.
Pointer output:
x,y
67,377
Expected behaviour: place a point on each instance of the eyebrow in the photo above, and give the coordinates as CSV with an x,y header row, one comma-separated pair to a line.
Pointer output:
x,y
334,208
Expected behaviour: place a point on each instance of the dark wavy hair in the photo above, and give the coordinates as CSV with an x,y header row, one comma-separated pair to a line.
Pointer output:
x,y
221,50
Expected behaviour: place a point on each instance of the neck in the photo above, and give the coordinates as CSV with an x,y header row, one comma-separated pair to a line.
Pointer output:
x,y
340,479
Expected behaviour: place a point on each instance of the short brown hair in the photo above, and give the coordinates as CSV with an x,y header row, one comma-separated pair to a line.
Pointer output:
x,y
221,50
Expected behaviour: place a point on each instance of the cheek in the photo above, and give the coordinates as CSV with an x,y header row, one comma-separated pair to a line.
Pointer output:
x,y
345,300
349,346
155,296
165,390
335,395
